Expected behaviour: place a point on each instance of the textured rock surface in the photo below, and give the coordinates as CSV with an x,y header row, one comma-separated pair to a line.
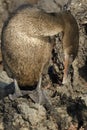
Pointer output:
x,y
69,101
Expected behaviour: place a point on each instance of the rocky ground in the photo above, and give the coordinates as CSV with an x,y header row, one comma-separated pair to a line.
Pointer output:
x,y
69,103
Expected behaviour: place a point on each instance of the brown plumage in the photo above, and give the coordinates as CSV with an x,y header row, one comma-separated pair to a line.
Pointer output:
x,y
25,42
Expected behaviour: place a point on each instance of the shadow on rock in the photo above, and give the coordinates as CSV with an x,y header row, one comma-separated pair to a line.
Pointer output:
x,y
78,110
5,89
83,72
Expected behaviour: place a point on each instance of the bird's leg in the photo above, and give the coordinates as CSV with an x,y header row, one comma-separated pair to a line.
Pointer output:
x,y
17,92
67,62
66,66
38,95
42,96
39,90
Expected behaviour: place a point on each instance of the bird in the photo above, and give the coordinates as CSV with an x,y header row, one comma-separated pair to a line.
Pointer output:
x,y
26,48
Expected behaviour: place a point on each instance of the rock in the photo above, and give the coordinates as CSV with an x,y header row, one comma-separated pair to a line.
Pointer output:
x,y
51,125
18,122
85,98
4,78
52,5
1,126
14,4
35,114
24,116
